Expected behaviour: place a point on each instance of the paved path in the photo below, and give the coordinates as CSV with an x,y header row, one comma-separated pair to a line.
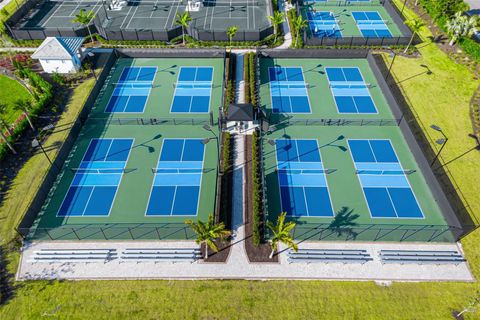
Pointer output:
x,y
287,43
238,267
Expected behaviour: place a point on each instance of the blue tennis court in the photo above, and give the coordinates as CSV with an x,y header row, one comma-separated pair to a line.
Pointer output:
x,y
178,176
350,91
131,92
193,90
384,182
302,179
323,24
371,24
96,180
288,90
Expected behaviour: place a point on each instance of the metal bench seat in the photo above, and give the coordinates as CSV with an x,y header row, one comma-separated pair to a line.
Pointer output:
x,y
421,256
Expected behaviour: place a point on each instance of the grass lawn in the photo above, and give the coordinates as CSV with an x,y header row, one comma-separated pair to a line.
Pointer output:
x,y
31,175
11,91
441,98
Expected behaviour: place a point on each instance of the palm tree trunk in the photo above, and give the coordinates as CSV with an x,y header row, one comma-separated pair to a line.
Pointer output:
x,y
271,253
183,35
6,126
275,30
409,43
89,33
29,121
206,251
452,42
6,141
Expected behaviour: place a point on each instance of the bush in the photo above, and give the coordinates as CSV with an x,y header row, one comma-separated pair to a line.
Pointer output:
x,y
256,190
292,15
246,76
252,79
42,93
226,154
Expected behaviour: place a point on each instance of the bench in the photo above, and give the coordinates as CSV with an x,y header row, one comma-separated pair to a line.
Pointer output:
x,y
421,256
161,254
73,255
329,255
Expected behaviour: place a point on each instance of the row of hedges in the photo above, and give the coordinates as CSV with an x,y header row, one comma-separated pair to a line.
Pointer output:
x,y
296,37
257,190
42,95
246,77
252,79
443,10
226,182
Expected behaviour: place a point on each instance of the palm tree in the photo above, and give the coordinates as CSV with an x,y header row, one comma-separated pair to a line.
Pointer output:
x,y
84,17
208,232
231,32
281,233
277,19
4,125
299,24
183,20
461,26
7,43
415,25
24,106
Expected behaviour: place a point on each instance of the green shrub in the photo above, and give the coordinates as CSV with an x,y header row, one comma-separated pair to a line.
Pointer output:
x,y
252,79
256,190
226,155
246,76
292,15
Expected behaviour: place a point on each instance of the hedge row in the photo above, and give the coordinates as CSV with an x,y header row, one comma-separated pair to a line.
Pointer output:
x,y
42,95
256,190
252,79
226,152
246,77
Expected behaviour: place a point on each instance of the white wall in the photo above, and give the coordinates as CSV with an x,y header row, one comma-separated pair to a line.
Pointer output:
x,y
59,66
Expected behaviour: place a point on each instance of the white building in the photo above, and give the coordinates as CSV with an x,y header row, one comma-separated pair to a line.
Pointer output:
x,y
61,55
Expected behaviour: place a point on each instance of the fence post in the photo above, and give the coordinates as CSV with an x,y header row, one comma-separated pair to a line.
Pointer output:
x,y
103,233
75,233
131,235
48,234
158,233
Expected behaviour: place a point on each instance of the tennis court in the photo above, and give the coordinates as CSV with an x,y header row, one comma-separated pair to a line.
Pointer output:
x,y
133,90
178,176
302,179
350,91
371,24
137,176
288,90
321,89
250,16
344,19
193,90
323,24
384,181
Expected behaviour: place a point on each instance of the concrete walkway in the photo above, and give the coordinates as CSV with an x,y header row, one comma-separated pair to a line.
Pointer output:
x,y
238,267
287,43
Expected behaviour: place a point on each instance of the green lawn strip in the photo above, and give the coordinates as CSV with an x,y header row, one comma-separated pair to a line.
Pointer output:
x,y
11,91
156,299
443,98
26,184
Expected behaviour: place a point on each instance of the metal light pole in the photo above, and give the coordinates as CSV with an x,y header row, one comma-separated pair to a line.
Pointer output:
x,y
441,142
207,140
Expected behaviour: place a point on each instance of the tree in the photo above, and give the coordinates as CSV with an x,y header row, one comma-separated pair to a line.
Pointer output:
x,y
415,25
472,305
24,105
208,232
460,26
231,32
298,24
183,20
277,19
84,17
7,43
4,125
281,233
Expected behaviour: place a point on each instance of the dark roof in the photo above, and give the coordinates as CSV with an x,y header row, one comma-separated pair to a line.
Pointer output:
x,y
240,112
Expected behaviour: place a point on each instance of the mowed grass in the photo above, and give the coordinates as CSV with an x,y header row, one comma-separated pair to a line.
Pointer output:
x,y
30,177
11,91
441,98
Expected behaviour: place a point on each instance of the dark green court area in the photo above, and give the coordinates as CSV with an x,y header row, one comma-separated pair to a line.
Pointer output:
x,y
140,175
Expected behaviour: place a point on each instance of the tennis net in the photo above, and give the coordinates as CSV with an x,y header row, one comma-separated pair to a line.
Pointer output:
x,y
385,172
305,171
350,85
133,85
226,3
180,170
100,171
372,22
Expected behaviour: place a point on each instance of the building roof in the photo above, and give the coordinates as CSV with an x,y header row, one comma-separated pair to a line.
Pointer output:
x,y
240,112
58,48
474,4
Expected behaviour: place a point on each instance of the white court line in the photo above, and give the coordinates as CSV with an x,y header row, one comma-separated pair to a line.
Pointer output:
x,y
53,14
131,17
128,13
